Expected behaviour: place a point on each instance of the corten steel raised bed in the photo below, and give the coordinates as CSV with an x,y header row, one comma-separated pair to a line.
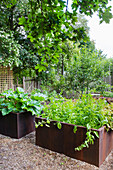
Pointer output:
x,y
17,125
64,141
108,99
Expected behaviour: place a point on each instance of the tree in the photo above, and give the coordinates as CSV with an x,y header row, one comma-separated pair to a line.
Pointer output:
x,y
38,28
9,49
50,22
83,68
89,68
47,23
16,50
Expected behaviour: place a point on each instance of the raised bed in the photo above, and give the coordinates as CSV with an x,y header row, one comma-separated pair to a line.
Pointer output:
x,y
108,99
17,125
65,140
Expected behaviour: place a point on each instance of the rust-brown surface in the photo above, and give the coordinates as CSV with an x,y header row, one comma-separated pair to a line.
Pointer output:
x,y
16,125
108,99
105,144
64,141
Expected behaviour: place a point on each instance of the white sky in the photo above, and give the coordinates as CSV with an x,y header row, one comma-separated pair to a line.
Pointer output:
x,y
102,34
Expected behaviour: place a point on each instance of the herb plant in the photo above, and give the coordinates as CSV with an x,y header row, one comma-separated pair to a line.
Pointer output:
x,y
19,101
86,112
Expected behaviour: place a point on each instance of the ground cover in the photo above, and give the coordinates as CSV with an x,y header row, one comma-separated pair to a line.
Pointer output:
x,y
23,154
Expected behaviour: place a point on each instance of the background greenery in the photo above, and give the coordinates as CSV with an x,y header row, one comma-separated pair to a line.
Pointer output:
x,y
48,41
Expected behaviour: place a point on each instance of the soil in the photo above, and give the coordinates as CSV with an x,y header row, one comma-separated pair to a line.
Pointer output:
x,y
23,154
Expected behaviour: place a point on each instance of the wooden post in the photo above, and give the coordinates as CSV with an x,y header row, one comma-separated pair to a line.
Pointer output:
x,y
24,83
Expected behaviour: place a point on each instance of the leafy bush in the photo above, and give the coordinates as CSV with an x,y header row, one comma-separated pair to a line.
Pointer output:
x,y
38,95
85,111
18,101
108,94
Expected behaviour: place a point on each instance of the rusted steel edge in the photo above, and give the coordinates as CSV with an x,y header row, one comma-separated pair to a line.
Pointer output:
x,y
104,141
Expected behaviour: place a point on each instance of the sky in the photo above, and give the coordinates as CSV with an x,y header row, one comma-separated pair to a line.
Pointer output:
x,y
102,34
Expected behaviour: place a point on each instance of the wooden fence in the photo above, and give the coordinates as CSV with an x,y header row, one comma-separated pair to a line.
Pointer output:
x,y
29,84
6,79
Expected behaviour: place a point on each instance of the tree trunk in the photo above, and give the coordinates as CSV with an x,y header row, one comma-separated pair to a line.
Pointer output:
x,y
11,18
112,77
62,68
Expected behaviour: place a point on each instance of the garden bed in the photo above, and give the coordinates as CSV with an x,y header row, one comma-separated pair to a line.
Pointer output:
x,y
17,125
108,99
65,141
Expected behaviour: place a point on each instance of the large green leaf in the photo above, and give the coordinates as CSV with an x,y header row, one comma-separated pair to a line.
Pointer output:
x,y
10,105
39,96
6,111
20,90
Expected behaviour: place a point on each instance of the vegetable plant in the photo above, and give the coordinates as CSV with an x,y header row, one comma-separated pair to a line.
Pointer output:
x,y
19,101
86,111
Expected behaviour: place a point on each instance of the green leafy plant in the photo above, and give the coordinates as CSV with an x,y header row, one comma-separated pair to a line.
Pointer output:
x,y
107,94
18,101
38,95
85,111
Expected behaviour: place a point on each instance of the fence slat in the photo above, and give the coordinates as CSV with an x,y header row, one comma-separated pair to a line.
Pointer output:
x,y
29,84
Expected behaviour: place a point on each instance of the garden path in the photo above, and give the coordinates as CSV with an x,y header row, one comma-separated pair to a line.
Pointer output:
x,y
23,154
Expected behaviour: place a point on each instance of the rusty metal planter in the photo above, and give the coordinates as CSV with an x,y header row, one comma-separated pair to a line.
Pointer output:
x,y
64,141
17,125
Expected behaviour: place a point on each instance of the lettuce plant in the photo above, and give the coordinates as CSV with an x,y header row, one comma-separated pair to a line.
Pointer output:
x,y
19,101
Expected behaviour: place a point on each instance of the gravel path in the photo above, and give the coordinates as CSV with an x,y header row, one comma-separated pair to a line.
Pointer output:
x,y
23,154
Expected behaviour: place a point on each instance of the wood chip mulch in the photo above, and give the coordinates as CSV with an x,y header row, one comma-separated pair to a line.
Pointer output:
x,y
23,154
